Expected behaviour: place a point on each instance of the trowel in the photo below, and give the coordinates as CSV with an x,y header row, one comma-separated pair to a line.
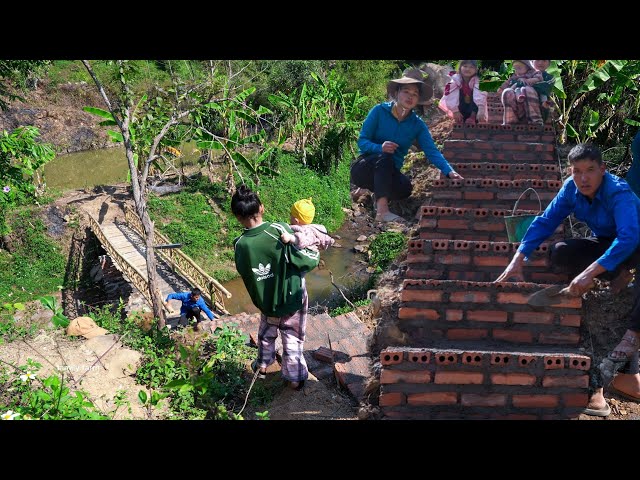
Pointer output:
x,y
549,296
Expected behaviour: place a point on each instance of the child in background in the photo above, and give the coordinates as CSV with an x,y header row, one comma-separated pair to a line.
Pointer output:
x,y
524,75
306,234
462,97
544,86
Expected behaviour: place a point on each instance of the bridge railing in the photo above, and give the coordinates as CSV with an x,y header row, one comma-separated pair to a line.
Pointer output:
x,y
212,290
134,275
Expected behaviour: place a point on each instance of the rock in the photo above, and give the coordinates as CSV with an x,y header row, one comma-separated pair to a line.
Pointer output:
x,y
361,238
361,248
337,245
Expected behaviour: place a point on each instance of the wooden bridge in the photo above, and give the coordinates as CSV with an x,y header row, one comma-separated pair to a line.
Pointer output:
x,y
125,244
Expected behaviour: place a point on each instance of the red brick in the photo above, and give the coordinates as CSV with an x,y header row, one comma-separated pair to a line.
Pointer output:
x,y
433,398
575,399
405,376
428,222
419,258
519,298
391,399
535,400
323,354
515,147
533,317
453,224
513,379
489,227
418,313
449,259
420,356
474,400
491,261
570,320
487,316
559,338
553,362
521,336
454,315
466,334
577,382
459,378
580,363
478,195
391,358
414,295
475,297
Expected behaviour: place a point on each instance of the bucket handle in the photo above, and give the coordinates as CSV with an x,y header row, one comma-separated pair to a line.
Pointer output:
x,y
515,207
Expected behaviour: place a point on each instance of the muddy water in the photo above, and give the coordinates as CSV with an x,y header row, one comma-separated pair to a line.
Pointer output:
x,y
97,167
342,262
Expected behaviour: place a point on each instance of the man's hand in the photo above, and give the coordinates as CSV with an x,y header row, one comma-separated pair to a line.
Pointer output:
x,y
581,284
389,147
453,174
287,238
513,272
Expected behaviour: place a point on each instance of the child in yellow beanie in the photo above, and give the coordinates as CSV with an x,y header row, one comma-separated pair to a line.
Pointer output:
x,y
306,234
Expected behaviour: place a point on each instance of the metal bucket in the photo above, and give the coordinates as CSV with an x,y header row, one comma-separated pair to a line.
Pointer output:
x,y
517,225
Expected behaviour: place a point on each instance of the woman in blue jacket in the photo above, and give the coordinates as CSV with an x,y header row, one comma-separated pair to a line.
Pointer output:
x,y
387,133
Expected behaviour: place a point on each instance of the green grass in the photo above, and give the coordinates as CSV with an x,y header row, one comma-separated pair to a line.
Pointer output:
x,y
329,192
146,72
36,267
385,248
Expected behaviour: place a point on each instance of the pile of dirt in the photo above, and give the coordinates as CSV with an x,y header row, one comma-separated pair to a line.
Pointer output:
x,y
57,112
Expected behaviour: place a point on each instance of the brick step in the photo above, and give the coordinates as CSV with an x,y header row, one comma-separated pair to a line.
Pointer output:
x,y
494,313
507,171
476,261
489,193
433,383
494,97
509,152
477,224
504,133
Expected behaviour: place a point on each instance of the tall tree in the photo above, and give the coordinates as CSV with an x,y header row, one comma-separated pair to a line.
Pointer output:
x,y
141,143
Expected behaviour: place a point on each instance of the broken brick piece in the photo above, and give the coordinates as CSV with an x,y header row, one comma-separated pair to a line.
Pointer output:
x,y
323,354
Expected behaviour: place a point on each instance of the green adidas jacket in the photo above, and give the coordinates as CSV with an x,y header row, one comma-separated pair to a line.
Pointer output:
x,y
271,270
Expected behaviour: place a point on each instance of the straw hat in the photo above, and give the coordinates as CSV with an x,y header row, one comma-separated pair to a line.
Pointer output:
x,y
411,76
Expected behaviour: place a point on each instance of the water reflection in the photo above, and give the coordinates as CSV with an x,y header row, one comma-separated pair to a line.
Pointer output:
x,y
98,167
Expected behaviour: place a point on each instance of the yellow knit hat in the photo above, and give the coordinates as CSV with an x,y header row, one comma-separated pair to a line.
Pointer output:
x,y
304,211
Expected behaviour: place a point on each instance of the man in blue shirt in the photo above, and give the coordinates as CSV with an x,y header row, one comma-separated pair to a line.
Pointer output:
x,y
611,210
192,305
387,133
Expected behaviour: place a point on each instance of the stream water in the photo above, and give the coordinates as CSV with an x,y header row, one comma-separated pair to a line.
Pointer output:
x,y
103,167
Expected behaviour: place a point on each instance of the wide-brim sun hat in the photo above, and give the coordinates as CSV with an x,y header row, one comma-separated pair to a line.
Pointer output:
x,y
411,77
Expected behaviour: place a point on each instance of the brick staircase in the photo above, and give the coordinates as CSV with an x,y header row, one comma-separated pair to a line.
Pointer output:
x,y
477,349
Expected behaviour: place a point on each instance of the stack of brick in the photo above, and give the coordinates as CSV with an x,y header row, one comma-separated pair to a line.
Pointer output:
x,y
476,348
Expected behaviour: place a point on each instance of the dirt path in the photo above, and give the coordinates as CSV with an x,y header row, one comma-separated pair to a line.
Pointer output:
x,y
77,359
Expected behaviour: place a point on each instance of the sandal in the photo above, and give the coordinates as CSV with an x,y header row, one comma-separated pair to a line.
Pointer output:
x,y
389,217
628,346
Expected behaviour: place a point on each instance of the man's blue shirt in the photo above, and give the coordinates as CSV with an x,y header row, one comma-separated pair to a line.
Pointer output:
x,y
613,213
187,303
